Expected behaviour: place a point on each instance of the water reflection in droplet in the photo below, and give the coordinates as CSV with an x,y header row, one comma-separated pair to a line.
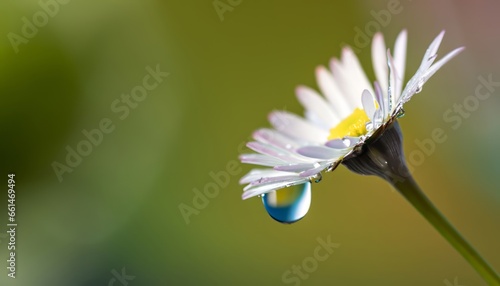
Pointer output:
x,y
346,141
318,177
290,204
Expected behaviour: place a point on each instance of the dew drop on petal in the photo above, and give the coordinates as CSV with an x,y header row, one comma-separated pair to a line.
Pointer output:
x,y
346,142
401,113
419,86
290,204
318,177
389,92
369,126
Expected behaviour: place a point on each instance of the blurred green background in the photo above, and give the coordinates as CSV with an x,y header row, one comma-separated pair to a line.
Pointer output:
x,y
120,207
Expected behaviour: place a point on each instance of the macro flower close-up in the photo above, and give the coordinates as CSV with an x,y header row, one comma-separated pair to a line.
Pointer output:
x,y
353,123
234,142
349,112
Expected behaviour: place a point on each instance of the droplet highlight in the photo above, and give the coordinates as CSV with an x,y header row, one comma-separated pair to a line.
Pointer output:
x,y
401,113
369,126
290,204
346,141
318,177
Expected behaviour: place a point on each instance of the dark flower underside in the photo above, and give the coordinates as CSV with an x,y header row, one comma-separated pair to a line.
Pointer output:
x,y
382,155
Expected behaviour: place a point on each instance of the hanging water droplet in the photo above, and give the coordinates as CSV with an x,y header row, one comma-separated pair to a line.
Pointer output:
x,y
318,177
290,204
401,113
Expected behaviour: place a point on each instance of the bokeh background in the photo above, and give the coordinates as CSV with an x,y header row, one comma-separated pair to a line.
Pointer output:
x,y
119,208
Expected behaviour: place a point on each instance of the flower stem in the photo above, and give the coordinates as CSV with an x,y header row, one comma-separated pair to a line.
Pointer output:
x,y
383,157
411,191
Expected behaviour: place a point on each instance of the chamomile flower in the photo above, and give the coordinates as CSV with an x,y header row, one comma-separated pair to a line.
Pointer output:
x,y
353,123
348,113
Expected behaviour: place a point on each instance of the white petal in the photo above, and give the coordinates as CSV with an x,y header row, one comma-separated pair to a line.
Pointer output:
x,y
343,81
296,127
400,57
435,67
415,82
320,152
274,179
296,167
317,121
271,180
343,144
259,159
276,138
315,104
262,189
350,77
312,172
433,47
336,144
331,90
426,69
256,174
379,60
394,83
368,104
351,63
275,152
382,101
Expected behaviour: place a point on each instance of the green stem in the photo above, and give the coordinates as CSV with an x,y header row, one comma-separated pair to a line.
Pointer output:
x,y
410,190
383,156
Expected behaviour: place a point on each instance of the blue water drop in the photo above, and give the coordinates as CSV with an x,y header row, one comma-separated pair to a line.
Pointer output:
x,y
290,204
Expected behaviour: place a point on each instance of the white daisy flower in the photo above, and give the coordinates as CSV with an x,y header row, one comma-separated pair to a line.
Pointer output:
x,y
349,112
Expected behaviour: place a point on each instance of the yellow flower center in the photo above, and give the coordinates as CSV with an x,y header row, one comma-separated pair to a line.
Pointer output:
x,y
352,125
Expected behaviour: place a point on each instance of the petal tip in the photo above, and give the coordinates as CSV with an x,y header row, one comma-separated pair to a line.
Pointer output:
x,y
300,89
320,70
